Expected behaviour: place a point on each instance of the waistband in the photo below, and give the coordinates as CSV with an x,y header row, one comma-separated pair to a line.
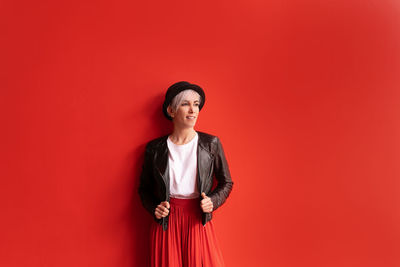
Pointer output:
x,y
184,202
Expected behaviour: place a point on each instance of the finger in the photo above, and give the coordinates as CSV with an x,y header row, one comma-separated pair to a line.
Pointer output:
x,y
162,208
207,210
203,195
207,206
162,213
158,214
206,200
165,204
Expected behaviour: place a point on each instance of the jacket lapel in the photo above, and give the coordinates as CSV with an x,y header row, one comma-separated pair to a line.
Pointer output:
x,y
204,162
161,161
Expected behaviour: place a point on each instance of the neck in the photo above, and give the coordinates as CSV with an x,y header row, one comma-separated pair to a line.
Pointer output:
x,y
182,135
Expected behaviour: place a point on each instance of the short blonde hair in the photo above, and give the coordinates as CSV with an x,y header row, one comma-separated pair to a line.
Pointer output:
x,y
178,99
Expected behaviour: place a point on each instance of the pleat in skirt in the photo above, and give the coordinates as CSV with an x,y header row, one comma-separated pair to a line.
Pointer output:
x,y
186,242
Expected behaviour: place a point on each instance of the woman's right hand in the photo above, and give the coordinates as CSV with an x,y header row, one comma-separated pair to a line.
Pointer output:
x,y
162,210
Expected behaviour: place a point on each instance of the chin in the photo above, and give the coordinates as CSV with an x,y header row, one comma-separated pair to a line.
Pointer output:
x,y
190,124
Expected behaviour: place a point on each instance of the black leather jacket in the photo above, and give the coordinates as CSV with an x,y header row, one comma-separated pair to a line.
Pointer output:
x,y
211,162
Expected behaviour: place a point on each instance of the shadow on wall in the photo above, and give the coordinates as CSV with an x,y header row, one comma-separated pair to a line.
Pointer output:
x,y
141,219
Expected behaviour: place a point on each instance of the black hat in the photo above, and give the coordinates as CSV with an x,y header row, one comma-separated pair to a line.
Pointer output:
x,y
178,87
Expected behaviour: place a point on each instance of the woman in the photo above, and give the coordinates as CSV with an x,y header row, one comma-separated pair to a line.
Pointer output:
x,y
176,184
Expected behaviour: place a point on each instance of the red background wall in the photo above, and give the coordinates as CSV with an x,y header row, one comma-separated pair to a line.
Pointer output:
x,y
303,94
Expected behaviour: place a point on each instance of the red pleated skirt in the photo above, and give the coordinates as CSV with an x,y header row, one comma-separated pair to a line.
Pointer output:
x,y
186,242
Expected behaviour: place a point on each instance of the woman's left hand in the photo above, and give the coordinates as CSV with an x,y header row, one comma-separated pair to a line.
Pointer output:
x,y
206,203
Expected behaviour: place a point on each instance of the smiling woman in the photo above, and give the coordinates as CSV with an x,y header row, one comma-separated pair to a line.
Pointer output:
x,y
176,184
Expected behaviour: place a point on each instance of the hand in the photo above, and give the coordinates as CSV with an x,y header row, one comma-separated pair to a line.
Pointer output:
x,y
206,203
162,210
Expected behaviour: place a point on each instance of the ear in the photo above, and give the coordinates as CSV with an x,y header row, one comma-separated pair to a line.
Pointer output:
x,y
170,111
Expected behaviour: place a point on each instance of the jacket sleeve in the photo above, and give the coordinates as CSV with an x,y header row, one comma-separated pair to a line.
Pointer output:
x,y
223,177
146,182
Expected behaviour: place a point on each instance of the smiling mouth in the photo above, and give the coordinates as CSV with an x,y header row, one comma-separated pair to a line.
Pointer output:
x,y
190,117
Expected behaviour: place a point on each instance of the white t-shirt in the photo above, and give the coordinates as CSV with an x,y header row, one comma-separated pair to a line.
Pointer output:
x,y
182,162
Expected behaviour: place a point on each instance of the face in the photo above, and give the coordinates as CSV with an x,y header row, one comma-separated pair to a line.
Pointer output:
x,y
187,112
